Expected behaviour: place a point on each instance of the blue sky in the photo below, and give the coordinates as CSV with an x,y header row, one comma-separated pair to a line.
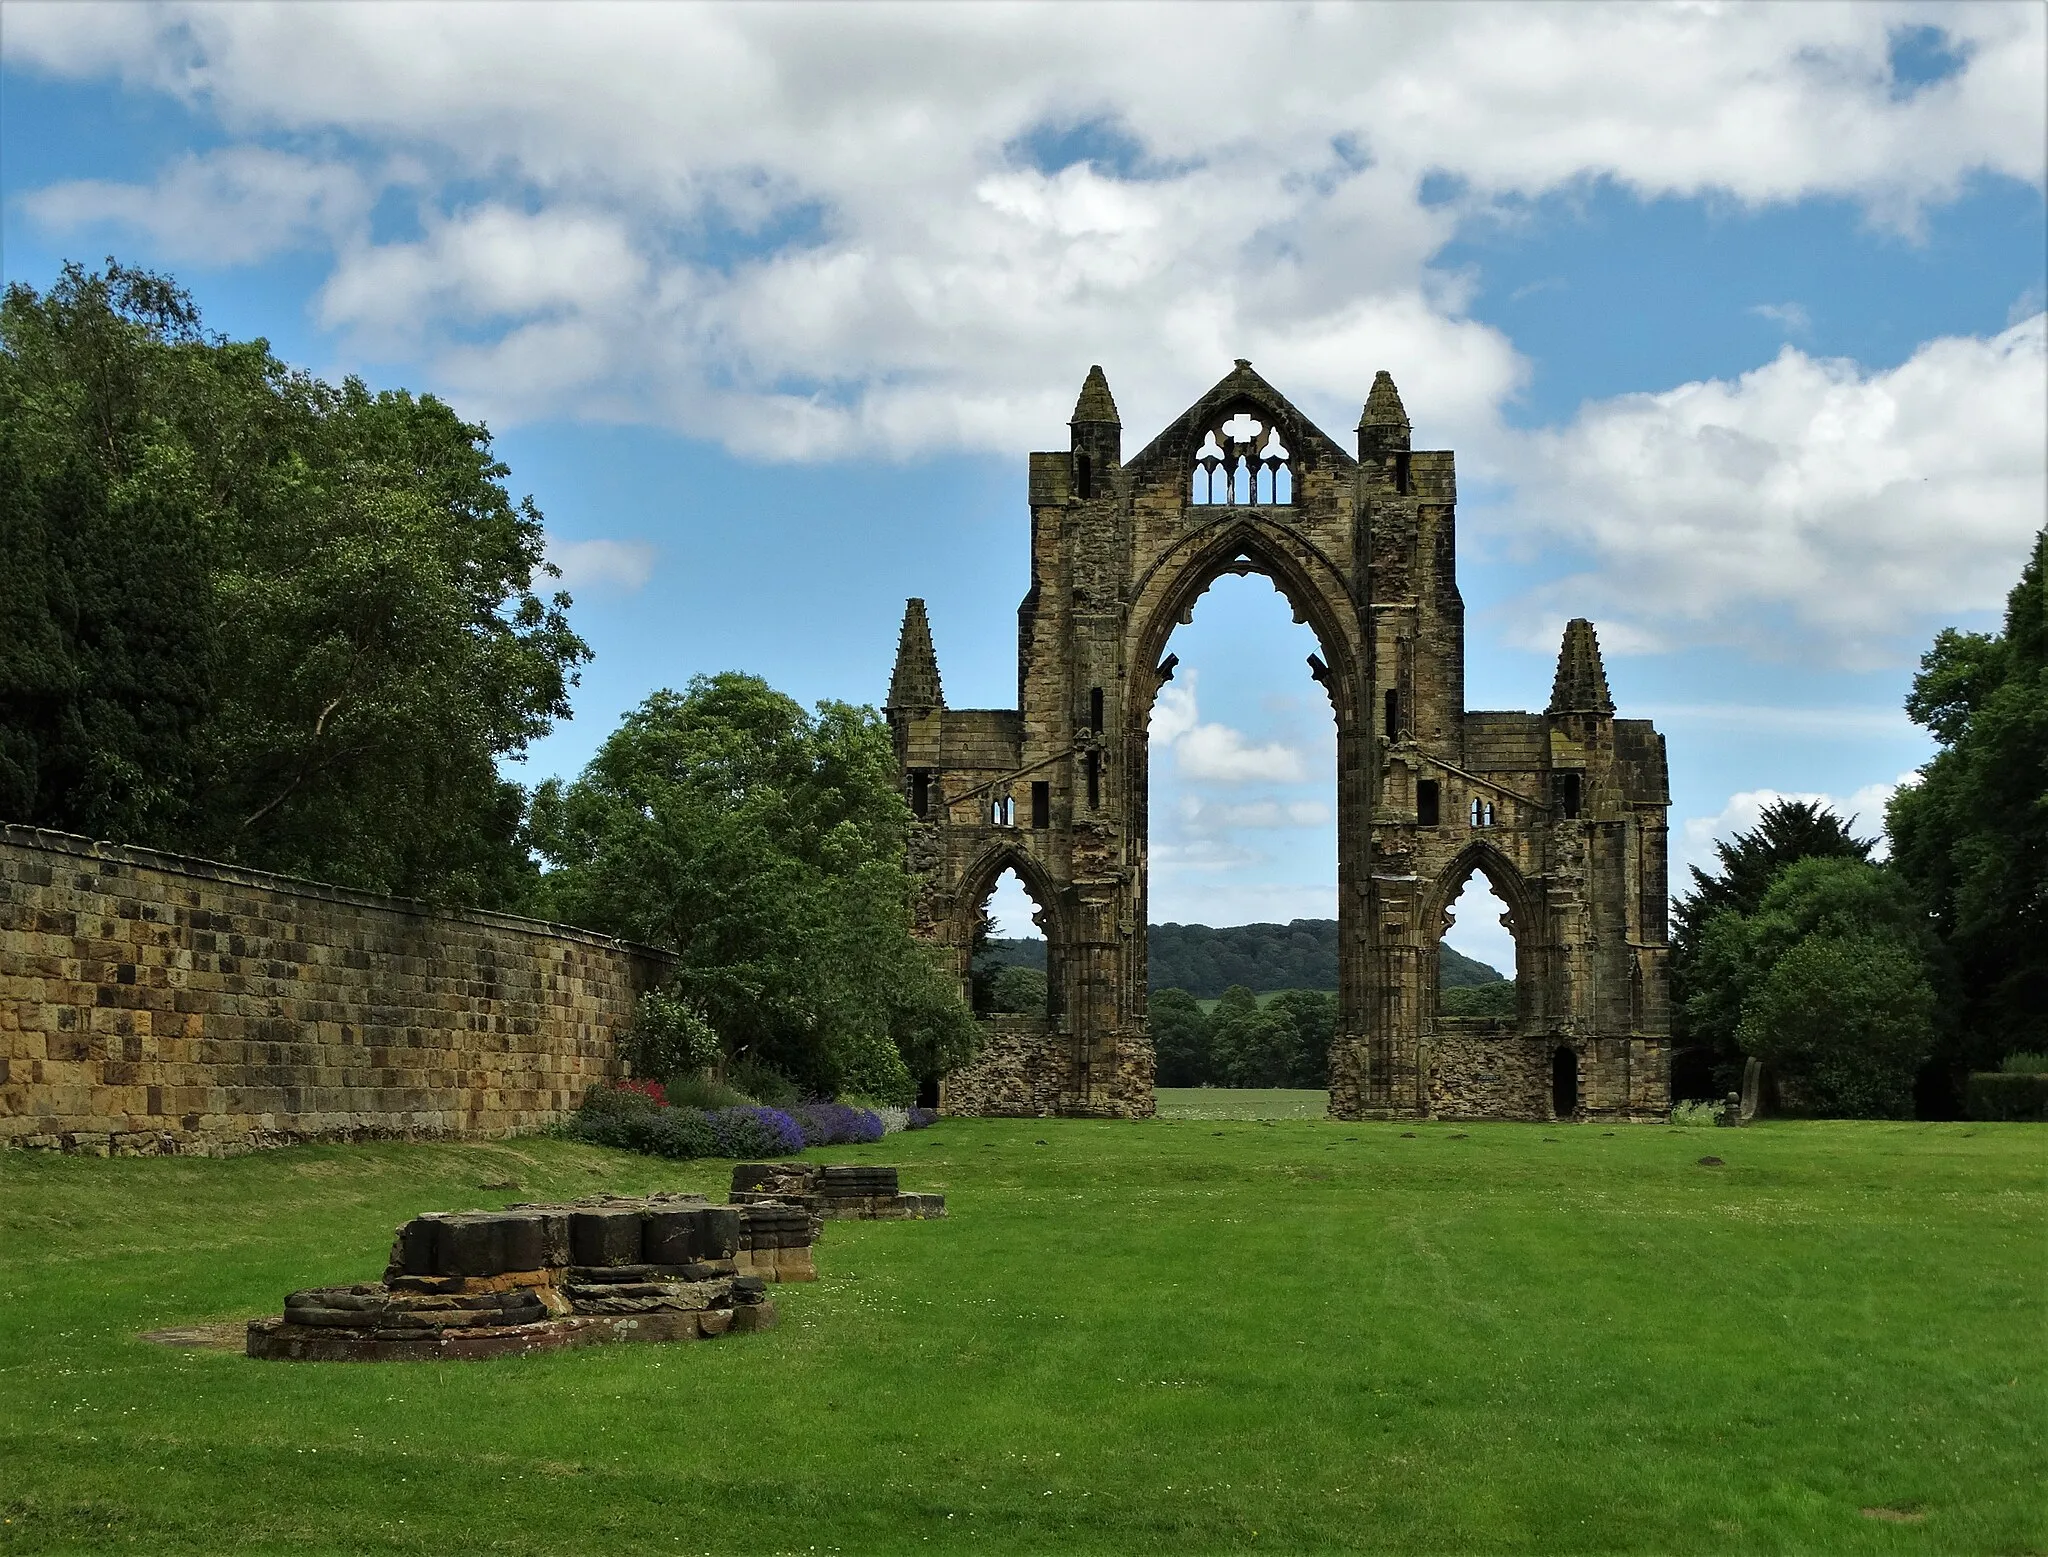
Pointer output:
x,y
1733,315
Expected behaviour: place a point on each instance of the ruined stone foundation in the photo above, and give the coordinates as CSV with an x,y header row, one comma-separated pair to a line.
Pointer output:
x,y
476,1285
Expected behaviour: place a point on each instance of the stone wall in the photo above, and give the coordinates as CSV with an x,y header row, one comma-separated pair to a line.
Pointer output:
x,y
1486,1070
1023,1071
152,1003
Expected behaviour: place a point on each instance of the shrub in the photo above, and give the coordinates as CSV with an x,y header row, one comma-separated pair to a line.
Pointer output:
x,y
763,1083
869,1064
837,1124
706,1092
680,1132
653,1091
920,1118
1846,1021
670,1036
2024,1065
1997,1094
1693,1114
755,1132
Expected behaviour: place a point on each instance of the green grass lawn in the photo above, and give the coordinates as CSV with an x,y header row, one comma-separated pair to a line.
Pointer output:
x,y
1240,1103
1176,1336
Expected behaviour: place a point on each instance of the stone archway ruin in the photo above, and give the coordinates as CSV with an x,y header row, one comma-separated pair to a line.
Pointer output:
x,y
1563,810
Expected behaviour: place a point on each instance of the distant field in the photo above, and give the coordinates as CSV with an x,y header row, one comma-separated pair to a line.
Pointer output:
x,y
1184,1336
1240,1103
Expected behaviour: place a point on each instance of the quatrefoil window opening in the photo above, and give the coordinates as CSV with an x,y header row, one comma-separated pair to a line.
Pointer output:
x,y
1233,466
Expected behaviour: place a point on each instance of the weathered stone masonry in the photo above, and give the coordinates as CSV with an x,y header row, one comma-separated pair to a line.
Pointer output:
x,y
151,1003
1564,811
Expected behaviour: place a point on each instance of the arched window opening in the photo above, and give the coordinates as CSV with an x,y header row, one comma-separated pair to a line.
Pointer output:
x,y
1238,801
1002,811
1481,812
1010,966
1476,960
1243,462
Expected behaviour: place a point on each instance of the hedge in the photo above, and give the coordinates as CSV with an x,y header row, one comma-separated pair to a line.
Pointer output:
x,y
1992,1094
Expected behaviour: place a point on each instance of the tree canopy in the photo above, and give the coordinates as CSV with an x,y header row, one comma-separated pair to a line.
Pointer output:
x,y
1831,980
255,616
765,847
1787,831
1972,835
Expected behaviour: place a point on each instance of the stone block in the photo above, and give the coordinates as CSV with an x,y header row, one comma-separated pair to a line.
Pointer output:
x,y
605,1236
718,1232
669,1236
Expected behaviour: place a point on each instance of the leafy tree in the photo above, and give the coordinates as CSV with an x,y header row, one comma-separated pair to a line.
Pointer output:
x,y
1180,1039
1312,1016
1250,1045
1788,830
1845,1021
765,846
107,651
1972,835
1840,917
1495,1000
1018,991
261,617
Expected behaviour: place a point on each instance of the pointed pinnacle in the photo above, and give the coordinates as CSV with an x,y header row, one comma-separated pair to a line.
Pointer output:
x,y
1095,404
915,683
1581,685
1383,406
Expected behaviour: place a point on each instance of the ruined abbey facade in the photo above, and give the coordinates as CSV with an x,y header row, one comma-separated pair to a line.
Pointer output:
x,y
1563,811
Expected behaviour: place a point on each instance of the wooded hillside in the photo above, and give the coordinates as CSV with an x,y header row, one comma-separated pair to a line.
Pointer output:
x,y
1206,961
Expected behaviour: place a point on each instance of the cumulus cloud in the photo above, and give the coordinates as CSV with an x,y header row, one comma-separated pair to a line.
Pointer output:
x,y
1808,507
1200,816
625,565
233,206
1698,835
1216,753
852,234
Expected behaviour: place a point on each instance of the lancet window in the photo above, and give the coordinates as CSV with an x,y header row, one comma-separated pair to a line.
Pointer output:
x,y
1245,463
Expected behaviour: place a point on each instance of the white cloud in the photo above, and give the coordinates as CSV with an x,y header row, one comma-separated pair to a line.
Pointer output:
x,y
1205,816
233,206
829,243
1790,317
1698,834
1216,753
1806,508
625,565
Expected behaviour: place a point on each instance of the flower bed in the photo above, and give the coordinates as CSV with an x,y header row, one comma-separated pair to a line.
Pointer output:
x,y
636,1116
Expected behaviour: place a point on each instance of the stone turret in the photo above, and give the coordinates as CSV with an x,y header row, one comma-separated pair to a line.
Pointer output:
x,y
1097,432
914,687
1383,426
1581,685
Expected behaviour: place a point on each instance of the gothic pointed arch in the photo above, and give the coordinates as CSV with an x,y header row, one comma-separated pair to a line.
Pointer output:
x,y
979,879
1165,596
1480,857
